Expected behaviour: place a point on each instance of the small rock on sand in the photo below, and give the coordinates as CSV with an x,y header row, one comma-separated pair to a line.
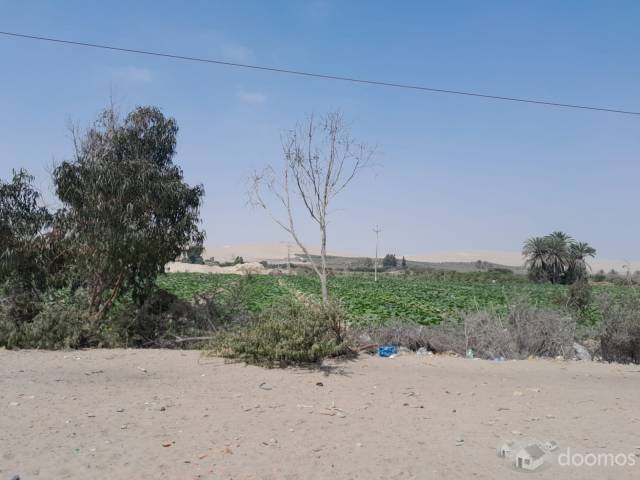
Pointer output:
x,y
581,352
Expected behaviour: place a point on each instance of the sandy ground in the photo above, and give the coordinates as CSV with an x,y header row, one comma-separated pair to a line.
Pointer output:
x,y
155,414
242,269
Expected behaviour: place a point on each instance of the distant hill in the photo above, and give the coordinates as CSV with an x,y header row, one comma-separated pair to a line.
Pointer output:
x,y
336,262
460,260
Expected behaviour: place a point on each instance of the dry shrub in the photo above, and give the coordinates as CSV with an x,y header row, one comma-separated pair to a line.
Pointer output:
x,y
486,334
395,332
334,318
59,319
482,332
290,333
541,332
160,320
56,322
620,328
448,336
579,295
525,331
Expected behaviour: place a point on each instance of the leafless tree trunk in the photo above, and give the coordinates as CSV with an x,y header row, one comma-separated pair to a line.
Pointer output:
x,y
320,160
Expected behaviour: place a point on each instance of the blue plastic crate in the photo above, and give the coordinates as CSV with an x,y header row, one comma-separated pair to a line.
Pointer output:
x,y
387,350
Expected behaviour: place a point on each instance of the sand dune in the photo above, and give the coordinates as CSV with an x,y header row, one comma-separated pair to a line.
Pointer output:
x,y
253,252
251,267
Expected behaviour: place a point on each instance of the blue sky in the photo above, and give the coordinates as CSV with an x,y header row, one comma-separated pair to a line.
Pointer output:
x,y
456,173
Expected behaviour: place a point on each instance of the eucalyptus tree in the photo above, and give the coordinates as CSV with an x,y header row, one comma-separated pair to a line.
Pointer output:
x,y
32,250
23,224
125,205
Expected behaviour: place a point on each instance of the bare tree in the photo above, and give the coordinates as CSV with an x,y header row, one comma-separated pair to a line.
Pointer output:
x,y
320,160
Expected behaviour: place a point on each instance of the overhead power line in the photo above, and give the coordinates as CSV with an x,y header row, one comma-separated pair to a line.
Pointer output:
x,y
320,75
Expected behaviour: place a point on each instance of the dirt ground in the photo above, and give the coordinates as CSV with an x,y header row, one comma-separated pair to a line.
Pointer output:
x,y
156,414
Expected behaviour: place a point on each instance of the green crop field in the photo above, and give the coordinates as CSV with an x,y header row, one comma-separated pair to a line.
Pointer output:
x,y
421,298
261,290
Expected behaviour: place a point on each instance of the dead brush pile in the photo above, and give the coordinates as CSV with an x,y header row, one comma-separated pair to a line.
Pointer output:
x,y
524,331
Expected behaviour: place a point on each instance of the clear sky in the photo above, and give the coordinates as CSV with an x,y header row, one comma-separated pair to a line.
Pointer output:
x,y
456,173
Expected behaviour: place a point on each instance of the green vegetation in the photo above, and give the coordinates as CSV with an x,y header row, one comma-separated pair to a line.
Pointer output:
x,y
91,273
493,313
193,255
422,299
125,206
557,258
260,291
425,299
23,222
125,212
288,333
390,261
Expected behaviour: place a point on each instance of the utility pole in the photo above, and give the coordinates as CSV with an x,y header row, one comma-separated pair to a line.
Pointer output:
x,y
627,267
288,257
377,231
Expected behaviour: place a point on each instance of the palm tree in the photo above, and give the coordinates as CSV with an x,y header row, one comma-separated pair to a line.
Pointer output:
x,y
557,255
561,236
578,253
535,253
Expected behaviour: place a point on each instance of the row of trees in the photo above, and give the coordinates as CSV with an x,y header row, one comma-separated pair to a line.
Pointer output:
x,y
388,261
125,212
557,258
391,261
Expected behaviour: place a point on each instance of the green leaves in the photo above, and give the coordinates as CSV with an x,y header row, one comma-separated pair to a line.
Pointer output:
x,y
420,298
288,333
557,258
261,290
24,234
126,205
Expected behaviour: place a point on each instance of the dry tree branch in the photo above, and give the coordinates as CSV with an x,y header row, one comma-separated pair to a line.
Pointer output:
x,y
320,160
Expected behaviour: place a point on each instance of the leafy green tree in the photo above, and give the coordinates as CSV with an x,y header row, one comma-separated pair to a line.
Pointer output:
x,y
404,262
126,207
193,254
390,261
24,225
32,255
481,265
